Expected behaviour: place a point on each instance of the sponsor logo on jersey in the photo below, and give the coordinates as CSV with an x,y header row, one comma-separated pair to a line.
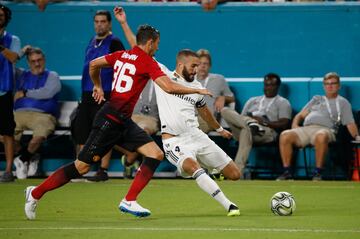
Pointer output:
x,y
128,56
186,98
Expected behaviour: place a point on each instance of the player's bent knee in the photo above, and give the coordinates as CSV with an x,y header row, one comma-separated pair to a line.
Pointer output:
x,y
82,167
234,175
159,155
231,172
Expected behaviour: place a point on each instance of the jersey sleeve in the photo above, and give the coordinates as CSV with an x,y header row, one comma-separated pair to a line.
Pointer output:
x,y
154,69
111,58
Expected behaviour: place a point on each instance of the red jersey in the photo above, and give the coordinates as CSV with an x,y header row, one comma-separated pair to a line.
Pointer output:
x,y
132,70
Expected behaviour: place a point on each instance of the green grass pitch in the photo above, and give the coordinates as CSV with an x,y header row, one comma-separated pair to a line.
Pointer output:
x,y
180,210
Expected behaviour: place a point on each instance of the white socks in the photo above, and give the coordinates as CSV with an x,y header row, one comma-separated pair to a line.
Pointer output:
x,y
210,187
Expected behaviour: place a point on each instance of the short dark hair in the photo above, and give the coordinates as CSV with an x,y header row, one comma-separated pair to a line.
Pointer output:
x,y
146,32
185,53
7,13
104,13
273,76
33,50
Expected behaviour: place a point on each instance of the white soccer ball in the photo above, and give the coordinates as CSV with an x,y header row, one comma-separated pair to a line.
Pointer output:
x,y
282,204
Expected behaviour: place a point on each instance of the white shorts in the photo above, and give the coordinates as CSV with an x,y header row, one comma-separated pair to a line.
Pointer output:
x,y
198,146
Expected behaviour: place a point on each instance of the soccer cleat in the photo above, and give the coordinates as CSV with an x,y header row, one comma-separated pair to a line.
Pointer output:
x,y
317,177
100,176
129,169
233,211
285,176
30,203
21,168
133,208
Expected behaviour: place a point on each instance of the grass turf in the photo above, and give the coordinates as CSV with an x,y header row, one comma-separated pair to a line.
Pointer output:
x,y
181,210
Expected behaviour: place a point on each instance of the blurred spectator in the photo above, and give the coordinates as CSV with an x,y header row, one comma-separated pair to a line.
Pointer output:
x,y
321,117
261,119
36,109
9,54
42,4
103,43
215,83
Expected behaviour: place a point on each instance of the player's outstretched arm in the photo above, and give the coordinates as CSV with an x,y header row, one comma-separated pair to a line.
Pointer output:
x,y
172,87
120,16
206,114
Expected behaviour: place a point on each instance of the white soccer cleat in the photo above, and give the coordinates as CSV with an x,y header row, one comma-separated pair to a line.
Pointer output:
x,y
133,208
30,203
21,168
33,165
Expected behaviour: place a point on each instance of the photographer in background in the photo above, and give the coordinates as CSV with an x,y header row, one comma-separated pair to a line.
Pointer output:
x,y
261,119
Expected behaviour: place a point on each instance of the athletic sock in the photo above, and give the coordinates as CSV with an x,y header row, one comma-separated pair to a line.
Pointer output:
x,y
142,178
210,187
60,177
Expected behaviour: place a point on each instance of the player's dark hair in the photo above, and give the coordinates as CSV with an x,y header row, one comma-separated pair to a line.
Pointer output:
x,y
273,76
103,13
7,13
185,53
146,32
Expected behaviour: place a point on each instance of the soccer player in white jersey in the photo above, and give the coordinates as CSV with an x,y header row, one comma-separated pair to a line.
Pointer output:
x,y
185,145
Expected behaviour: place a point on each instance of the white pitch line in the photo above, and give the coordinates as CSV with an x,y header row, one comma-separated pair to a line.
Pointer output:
x,y
287,230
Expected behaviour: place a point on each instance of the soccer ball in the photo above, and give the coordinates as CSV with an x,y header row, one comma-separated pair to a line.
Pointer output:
x,y
282,204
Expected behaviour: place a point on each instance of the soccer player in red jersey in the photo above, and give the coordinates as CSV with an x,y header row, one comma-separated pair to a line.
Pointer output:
x,y
113,124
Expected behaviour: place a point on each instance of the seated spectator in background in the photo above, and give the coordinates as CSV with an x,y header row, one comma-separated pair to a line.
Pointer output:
x,y
321,118
9,54
42,4
36,108
260,120
216,84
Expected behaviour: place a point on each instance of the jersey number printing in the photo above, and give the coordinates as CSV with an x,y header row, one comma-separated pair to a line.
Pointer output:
x,y
122,76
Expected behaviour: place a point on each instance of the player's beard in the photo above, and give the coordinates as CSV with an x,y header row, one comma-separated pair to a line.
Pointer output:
x,y
187,76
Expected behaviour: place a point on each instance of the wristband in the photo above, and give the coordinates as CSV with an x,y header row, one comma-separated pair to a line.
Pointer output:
x,y
2,48
219,129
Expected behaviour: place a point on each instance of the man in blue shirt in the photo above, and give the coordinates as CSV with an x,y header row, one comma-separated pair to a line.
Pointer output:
x,y
9,54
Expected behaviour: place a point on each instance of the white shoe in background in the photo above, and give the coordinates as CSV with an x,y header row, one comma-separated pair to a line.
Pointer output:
x,y
33,165
21,168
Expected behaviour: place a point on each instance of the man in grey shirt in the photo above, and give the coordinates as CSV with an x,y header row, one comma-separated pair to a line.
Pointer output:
x,y
215,83
321,118
260,120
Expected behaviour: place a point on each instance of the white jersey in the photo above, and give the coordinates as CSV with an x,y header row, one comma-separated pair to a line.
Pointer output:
x,y
177,112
